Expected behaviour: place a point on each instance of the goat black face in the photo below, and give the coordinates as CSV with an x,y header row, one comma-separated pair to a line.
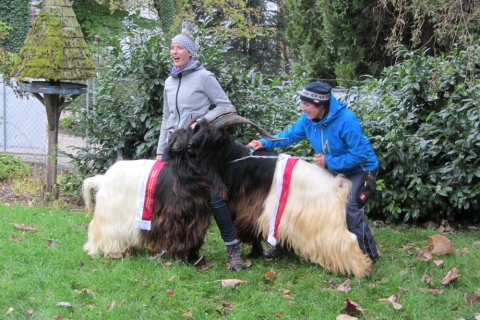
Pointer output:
x,y
178,142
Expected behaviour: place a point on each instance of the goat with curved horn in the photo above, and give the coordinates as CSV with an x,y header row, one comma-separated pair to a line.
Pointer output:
x,y
230,117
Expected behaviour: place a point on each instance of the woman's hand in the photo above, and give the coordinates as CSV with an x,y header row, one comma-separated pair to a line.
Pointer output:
x,y
159,157
255,144
320,160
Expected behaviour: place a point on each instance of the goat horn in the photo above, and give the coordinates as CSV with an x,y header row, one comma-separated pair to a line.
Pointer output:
x,y
231,118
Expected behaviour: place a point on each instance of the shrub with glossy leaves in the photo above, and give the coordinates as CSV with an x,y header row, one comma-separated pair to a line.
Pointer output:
x,y
423,120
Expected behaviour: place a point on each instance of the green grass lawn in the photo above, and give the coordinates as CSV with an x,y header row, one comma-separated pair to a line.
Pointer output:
x,y
42,269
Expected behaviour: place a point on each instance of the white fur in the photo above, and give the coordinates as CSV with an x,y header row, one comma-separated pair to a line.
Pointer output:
x,y
314,220
113,227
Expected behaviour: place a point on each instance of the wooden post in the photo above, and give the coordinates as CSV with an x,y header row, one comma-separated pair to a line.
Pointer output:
x,y
52,102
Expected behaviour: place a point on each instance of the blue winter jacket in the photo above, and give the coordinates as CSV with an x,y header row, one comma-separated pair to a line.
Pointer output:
x,y
338,136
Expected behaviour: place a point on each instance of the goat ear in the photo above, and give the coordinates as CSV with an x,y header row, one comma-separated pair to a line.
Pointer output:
x,y
233,118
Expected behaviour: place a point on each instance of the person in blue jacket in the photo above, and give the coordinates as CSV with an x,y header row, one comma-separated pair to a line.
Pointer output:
x,y
341,147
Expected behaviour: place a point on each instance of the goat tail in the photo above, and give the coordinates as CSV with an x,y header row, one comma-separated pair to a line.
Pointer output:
x,y
87,186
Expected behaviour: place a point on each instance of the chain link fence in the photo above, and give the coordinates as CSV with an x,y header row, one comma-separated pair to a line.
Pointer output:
x,y
23,126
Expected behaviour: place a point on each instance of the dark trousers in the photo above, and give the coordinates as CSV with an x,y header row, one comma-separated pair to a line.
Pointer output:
x,y
357,221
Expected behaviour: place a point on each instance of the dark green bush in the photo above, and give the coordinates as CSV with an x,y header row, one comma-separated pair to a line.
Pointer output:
x,y
423,119
13,167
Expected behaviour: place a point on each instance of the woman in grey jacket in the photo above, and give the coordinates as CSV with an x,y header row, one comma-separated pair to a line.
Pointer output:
x,y
189,91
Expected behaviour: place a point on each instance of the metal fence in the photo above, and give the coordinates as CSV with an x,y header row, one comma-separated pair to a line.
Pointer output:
x,y
23,126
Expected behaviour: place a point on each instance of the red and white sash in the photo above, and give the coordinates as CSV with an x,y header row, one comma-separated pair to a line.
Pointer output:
x,y
285,164
145,194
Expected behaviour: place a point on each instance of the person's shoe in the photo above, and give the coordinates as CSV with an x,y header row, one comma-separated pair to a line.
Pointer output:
x,y
275,252
235,258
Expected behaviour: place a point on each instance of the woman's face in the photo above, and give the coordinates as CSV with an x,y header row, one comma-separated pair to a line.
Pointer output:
x,y
180,55
312,111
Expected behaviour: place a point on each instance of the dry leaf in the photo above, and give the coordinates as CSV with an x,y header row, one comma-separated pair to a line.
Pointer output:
x,y
451,275
88,291
439,244
64,304
423,254
24,227
167,264
427,279
379,223
59,318
393,300
115,255
352,307
51,243
345,287
202,264
438,263
28,313
285,292
464,251
187,314
14,239
9,311
333,283
345,317
231,282
227,305
476,244
470,298
270,275
169,293
431,291
280,314
408,246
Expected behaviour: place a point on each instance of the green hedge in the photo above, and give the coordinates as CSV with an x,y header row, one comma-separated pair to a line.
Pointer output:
x,y
15,13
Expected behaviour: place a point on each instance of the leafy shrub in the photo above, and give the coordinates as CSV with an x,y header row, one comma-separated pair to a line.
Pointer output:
x,y
13,167
423,119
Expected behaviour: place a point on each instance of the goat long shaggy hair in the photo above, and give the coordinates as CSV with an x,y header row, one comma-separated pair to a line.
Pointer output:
x,y
181,210
314,219
113,226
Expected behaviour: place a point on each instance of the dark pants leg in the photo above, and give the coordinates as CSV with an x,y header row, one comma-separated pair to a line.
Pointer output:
x,y
223,218
357,221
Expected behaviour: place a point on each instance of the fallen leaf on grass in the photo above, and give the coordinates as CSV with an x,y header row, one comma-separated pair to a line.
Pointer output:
x,y
231,282
427,279
24,227
270,275
169,293
451,275
439,245
438,263
352,307
59,318
227,305
470,298
187,314
64,304
280,314
379,223
345,287
431,291
393,300
423,255
15,239
464,251
476,244
345,317
51,243
28,313
202,264
9,311
333,283
285,292
87,291
408,246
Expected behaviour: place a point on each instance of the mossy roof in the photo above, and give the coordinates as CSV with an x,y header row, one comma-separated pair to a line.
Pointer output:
x,y
55,48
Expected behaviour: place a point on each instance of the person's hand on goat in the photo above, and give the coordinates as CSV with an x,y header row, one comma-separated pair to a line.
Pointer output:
x,y
255,144
159,157
320,160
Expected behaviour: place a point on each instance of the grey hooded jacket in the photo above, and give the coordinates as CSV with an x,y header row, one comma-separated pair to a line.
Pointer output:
x,y
188,97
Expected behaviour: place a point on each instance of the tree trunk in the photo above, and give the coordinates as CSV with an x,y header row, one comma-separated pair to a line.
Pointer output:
x,y
52,106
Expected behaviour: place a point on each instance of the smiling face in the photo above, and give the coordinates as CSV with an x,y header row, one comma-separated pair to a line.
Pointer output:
x,y
180,55
313,111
